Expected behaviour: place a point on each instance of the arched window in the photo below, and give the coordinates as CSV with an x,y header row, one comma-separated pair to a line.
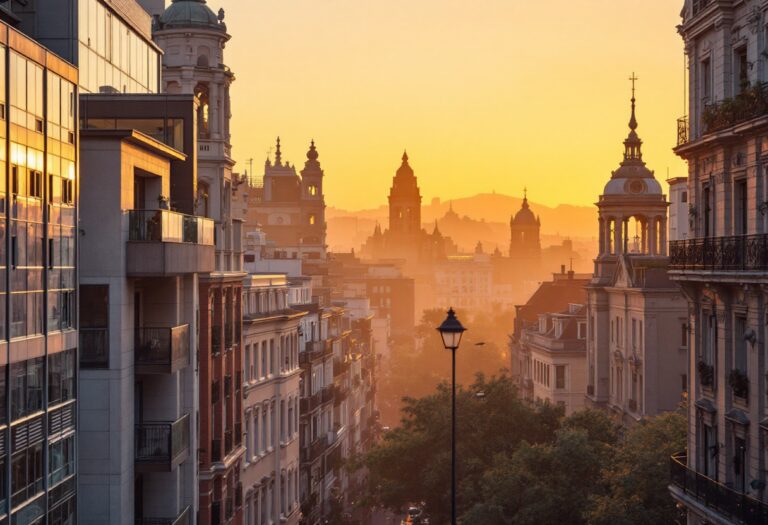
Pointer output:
x,y
202,94
312,220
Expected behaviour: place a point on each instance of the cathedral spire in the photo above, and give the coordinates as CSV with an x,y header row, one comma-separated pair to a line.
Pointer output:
x,y
278,154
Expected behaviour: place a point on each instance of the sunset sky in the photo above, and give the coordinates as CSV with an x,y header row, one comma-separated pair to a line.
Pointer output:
x,y
485,94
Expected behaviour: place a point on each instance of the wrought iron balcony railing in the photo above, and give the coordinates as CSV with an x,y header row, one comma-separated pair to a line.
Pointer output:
x,y
163,444
169,226
733,253
683,130
734,506
162,349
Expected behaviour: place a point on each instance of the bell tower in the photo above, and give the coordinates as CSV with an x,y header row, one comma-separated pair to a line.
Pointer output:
x,y
405,201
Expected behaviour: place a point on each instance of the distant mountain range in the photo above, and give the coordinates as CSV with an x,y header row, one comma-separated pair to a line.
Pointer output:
x,y
488,221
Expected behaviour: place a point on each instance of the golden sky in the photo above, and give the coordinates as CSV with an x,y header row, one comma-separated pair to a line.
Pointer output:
x,y
485,94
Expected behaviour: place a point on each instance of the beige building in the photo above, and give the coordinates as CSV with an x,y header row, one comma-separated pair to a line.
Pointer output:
x,y
722,266
554,358
637,317
271,381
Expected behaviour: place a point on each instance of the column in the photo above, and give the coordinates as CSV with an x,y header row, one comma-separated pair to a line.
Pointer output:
x,y
663,237
652,235
618,231
601,242
643,235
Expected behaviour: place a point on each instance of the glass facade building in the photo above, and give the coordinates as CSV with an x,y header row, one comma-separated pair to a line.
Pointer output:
x,y
110,41
38,339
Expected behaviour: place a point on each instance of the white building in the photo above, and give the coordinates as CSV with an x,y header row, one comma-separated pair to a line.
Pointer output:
x,y
271,382
678,208
637,318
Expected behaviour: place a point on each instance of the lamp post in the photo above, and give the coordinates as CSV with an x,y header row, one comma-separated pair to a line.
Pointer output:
x,y
451,331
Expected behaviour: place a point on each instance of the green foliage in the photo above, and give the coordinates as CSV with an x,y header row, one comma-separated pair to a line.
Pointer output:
x,y
523,464
636,480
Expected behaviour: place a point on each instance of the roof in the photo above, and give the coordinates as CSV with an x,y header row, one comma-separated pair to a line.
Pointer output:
x,y
191,14
553,296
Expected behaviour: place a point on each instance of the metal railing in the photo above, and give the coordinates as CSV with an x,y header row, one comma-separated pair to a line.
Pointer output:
x,y
735,506
94,347
182,519
750,103
162,346
733,253
169,226
314,450
162,442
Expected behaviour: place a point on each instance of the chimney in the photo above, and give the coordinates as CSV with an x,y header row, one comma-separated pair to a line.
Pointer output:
x,y
562,269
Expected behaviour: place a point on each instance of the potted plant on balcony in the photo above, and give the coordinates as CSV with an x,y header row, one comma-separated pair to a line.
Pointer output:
x,y
739,383
163,202
706,373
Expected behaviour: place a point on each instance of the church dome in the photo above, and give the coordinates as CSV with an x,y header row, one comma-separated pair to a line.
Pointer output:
x,y
190,13
525,216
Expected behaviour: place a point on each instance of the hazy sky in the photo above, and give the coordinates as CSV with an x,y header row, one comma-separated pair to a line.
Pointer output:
x,y
485,94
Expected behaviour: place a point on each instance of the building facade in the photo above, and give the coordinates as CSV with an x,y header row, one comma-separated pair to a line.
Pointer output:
x,y
271,392
722,266
39,208
637,318
193,39
110,41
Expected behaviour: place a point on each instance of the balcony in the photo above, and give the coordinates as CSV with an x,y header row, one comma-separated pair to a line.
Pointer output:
x,y
734,506
738,253
94,347
315,450
161,350
308,404
161,446
314,350
182,519
163,242
751,103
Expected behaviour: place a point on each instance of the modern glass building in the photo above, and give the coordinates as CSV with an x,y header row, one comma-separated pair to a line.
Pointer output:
x,y
38,339
109,40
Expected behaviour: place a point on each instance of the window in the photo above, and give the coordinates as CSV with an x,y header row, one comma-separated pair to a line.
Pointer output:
x,y
706,79
740,345
27,382
248,363
26,474
560,377
94,326
61,375
709,451
740,207
684,334
684,197
741,70
62,460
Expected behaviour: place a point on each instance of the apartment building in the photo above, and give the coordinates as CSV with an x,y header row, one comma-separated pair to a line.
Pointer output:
x,y
536,347
722,267
38,246
271,396
193,40
139,311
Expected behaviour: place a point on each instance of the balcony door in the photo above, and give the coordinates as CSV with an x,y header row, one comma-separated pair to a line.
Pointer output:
x,y
740,207
707,212
139,192
739,464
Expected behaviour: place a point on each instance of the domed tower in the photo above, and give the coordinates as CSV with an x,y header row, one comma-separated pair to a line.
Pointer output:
x,y
193,39
405,201
525,229
313,201
632,211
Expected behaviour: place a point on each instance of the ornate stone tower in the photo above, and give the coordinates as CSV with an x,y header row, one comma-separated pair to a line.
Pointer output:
x,y
313,200
524,229
193,39
404,201
632,209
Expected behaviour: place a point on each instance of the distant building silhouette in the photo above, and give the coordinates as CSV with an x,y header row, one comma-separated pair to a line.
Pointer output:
x,y
525,234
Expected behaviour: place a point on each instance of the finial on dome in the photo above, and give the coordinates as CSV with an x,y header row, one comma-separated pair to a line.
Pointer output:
x,y
312,154
525,198
633,120
405,156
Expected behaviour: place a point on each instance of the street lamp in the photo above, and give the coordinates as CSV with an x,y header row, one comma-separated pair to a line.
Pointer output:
x,y
451,331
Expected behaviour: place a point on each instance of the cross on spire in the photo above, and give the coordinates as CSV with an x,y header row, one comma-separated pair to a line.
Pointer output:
x,y
633,79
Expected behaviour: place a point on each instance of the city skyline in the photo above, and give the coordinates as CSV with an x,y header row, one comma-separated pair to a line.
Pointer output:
x,y
462,94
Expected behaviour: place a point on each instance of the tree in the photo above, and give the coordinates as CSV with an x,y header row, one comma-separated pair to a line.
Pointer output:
x,y
636,480
549,482
412,462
